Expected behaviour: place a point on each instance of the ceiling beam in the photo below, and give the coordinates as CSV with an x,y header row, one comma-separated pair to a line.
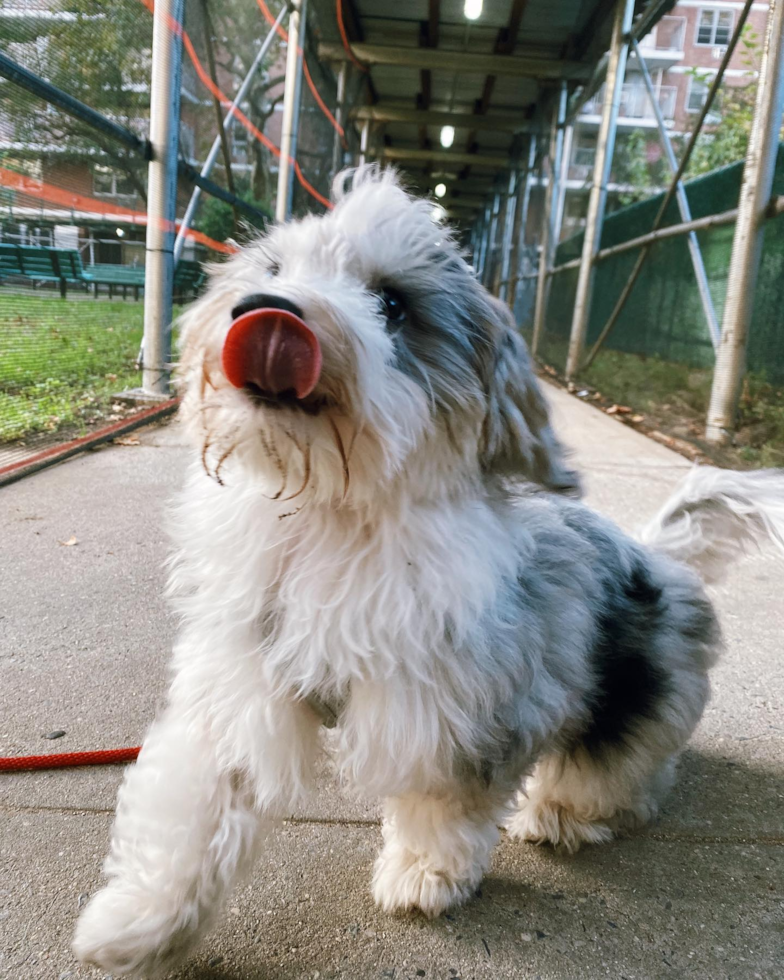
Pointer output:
x,y
470,63
460,120
399,153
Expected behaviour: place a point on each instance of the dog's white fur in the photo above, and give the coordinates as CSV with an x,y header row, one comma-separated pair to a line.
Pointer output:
x,y
371,553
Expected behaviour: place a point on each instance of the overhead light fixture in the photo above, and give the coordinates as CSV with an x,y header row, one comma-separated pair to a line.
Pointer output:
x,y
120,232
473,9
447,136
439,190
438,214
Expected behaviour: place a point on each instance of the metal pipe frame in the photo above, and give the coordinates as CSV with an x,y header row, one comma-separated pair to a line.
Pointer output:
x,y
684,162
506,248
212,156
294,142
548,242
465,62
616,70
521,222
652,14
364,141
683,204
502,233
73,107
417,155
291,91
755,191
491,239
566,158
162,195
340,117
480,271
428,117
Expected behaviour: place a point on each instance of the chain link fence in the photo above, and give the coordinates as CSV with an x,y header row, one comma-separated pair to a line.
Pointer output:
x,y
659,358
73,196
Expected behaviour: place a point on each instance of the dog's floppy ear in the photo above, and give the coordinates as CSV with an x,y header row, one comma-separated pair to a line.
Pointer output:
x,y
518,440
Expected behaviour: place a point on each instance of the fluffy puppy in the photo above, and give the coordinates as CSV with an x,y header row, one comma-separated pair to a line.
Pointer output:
x,y
377,532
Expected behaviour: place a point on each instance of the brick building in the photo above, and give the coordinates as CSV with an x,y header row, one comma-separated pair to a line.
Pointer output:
x,y
682,53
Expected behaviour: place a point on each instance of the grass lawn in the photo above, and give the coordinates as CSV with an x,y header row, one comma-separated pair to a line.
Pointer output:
x,y
61,361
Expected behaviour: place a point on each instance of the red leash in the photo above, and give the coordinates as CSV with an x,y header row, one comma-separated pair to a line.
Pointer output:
x,y
66,759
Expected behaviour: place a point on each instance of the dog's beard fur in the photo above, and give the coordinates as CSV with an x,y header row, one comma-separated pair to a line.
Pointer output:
x,y
368,547
430,405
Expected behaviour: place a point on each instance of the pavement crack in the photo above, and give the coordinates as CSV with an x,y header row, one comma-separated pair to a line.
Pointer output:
x,y
770,840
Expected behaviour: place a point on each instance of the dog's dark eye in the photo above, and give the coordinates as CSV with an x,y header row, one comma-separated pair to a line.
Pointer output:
x,y
274,269
394,310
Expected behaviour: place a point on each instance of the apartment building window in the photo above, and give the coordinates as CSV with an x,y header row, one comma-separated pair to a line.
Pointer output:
x,y
108,183
696,97
714,27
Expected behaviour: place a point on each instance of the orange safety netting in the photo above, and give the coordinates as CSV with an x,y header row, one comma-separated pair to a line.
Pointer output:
x,y
320,102
39,189
205,79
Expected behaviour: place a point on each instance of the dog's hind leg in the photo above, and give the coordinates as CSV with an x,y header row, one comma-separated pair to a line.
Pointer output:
x,y
576,799
436,848
187,826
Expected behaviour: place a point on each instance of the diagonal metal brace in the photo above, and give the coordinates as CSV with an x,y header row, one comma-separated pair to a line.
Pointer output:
x,y
683,204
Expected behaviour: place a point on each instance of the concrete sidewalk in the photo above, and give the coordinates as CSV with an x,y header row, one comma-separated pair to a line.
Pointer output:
x,y
85,638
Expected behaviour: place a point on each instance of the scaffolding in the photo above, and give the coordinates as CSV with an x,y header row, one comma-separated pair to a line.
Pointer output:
x,y
348,88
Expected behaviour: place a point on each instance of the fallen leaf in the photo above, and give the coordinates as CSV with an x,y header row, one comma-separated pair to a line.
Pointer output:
x,y
127,441
70,542
638,418
618,410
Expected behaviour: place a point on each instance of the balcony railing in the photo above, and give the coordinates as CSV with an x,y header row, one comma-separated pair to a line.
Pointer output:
x,y
635,103
668,35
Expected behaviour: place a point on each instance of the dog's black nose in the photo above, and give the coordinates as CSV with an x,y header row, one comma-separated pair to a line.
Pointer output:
x,y
261,301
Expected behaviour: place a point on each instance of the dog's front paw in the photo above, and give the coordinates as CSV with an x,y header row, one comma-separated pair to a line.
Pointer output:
x,y
404,881
129,934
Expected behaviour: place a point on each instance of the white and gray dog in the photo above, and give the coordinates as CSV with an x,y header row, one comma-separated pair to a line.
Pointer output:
x,y
378,532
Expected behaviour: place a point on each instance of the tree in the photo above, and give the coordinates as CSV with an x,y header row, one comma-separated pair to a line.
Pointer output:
x,y
97,51
727,142
100,51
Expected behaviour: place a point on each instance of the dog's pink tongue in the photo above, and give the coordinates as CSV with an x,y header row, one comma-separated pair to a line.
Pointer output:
x,y
273,350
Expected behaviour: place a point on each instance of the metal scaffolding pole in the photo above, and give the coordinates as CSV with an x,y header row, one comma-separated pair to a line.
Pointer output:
x,y
212,156
291,99
162,194
616,70
566,158
755,195
683,204
670,193
548,243
512,195
492,234
503,236
520,221
480,268
340,116
364,141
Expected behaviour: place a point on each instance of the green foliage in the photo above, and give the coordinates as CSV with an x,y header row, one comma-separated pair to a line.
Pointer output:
x,y
726,142
216,218
100,53
631,166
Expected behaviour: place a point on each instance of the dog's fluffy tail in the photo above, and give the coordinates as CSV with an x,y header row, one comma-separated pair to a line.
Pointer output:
x,y
715,514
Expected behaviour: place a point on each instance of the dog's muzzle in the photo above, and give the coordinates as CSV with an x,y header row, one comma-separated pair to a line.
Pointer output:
x,y
271,351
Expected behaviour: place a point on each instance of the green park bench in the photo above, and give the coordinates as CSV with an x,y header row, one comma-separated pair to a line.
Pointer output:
x,y
64,266
39,265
